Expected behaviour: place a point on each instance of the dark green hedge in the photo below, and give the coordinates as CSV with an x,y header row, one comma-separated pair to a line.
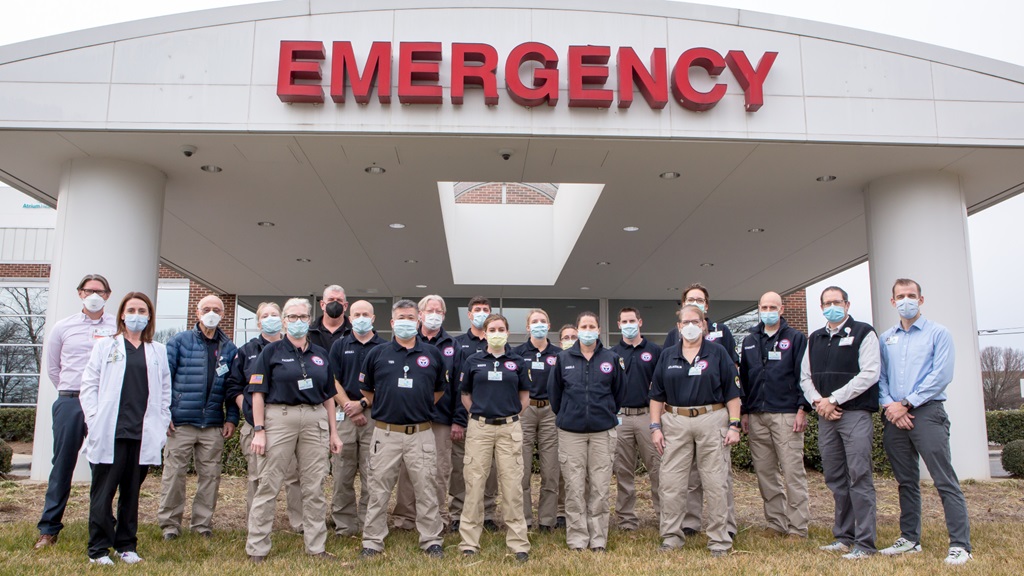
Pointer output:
x,y
17,424
1013,458
233,460
1005,426
6,453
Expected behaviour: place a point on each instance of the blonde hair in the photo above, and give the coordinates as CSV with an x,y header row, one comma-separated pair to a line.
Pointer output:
x,y
537,311
263,306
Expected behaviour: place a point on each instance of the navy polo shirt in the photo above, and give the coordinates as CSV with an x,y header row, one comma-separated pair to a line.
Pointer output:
x,y
465,346
494,398
395,404
717,383
717,332
347,357
586,394
241,368
640,361
539,364
279,368
445,407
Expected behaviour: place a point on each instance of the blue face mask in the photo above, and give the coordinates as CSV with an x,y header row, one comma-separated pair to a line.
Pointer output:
x,y
136,322
907,308
630,331
405,329
298,329
271,325
362,325
769,318
588,337
478,319
834,313
539,330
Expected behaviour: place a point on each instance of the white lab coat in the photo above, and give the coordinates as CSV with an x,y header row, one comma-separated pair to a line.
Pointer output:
x,y
101,400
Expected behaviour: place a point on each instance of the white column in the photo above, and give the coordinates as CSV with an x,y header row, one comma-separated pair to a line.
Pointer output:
x,y
109,218
917,229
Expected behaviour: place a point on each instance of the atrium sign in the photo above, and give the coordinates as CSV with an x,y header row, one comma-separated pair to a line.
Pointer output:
x,y
300,76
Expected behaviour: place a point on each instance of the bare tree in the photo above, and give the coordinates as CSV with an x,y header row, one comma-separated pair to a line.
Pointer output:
x,y
22,317
1001,372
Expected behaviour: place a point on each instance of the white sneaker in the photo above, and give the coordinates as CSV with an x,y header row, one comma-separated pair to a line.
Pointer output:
x,y
130,557
958,556
836,546
901,546
856,554
102,561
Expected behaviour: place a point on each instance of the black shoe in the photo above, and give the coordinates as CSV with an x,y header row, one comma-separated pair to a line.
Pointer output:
x,y
544,528
560,522
575,549
206,534
369,553
491,526
454,527
468,553
435,551
522,556
170,536
690,532
732,535
598,549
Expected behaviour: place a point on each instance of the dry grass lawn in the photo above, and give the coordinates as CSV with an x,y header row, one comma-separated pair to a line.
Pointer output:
x,y
996,508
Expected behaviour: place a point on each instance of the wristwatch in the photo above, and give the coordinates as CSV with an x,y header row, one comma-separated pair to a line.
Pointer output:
x,y
363,403
832,400
258,428
906,404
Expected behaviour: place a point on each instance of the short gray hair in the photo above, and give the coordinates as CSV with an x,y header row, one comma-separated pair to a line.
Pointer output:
x,y
298,302
333,288
403,304
432,297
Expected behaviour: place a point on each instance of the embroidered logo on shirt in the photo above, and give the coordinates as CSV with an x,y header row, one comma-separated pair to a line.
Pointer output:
x,y
551,360
256,379
318,361
362,377
702,364
423,362
449,351
510,365
646,356
784,344
606,367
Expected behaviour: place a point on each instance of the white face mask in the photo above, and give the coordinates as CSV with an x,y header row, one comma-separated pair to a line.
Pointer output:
x,y
94,302
210,319
433,321
691,332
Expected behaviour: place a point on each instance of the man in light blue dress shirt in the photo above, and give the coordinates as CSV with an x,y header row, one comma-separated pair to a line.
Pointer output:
x,y
917,365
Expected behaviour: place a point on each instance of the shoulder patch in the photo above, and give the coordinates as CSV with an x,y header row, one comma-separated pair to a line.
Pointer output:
x,y
256,379
622,363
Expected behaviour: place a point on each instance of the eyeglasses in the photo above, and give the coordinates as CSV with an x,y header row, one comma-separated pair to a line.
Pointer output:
x,y
692,323
831,303
696,301
299,317
89,292
567,338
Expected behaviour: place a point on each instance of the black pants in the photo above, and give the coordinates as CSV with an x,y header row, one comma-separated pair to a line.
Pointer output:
x,y
68,435
124,476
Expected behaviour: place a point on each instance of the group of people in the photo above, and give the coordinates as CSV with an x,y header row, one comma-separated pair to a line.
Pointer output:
x,y
451,421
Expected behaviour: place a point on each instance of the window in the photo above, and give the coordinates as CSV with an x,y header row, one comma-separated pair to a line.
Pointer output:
x,y
172,313
22,327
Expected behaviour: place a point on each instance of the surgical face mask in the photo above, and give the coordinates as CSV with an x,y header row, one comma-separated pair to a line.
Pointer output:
x,y
834,313
566,344
478,319
769,318
497,339
433,321
298,329
588,337
335,309
271,325
405,329
630,331
691,332
907,308
539,330
702,306
136,322
210,319
362,325
94,302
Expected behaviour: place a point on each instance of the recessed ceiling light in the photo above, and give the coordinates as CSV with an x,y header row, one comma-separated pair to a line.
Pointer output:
x,y
421,285
266,224
672,289
570,306
411,261
212,169
397,225
584,287
755,230
374,169
303,260
372,290
828,178
631,228
669,175
707,264
604,263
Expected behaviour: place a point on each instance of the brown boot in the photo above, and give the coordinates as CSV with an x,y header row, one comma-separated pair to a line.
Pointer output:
x,y
45,540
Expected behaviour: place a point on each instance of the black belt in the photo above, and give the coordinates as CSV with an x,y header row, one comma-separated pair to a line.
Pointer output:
x,y
68,394
495,421
635,411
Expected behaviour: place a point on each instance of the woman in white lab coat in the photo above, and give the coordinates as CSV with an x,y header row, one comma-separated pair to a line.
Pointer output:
x,y
126,400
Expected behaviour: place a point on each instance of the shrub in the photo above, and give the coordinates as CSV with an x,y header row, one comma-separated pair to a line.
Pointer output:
x,y
232,460
17,424
6,453
1005,426
1013,458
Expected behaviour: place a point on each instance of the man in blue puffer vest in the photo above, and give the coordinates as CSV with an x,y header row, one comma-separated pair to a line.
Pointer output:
x,y
199,359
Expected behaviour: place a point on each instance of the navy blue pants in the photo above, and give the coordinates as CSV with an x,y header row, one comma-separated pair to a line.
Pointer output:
x,y
68,435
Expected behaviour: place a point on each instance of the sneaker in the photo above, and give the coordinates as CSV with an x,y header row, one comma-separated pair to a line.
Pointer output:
x,y
522,556
856,554
130,557
170,536
435,551
901,546
369,553
836,546
958,556
719,553
102,561
560,522
469,552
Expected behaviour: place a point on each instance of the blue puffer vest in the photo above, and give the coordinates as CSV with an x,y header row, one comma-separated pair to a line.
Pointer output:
x,y
191,405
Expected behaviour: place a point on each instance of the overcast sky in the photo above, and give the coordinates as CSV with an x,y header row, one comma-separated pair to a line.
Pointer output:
x,y
990,28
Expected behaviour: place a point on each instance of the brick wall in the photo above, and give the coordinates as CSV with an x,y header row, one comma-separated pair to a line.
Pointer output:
x,y
795,304
197,292
515,193
24,270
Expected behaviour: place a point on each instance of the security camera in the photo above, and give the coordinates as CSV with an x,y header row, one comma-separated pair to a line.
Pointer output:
x,y
505,153
188,150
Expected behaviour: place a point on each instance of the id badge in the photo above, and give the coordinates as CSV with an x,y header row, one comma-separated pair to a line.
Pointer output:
x,y
340,416
536,365
695,371
305,384
222,369
892,340
620,420
98,333
494,376
714,335
848,341
776,355
405,382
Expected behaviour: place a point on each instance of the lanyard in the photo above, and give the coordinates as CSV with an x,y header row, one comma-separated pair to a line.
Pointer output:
x,y
302,364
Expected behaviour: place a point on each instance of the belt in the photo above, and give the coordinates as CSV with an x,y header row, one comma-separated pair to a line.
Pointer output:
x,y
68,394
693,411
539,403
405,429
635,411
495,421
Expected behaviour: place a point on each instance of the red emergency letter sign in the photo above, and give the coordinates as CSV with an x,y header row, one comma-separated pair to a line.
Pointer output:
x,y
483,75
751,80
685,93
377,71
653,84
418,62
588,65
291,69
545,78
